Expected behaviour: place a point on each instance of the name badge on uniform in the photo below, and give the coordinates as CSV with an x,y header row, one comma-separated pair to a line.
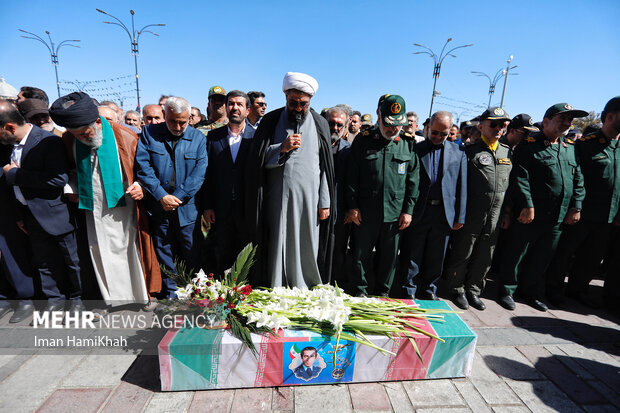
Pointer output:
x,y
504,161
402,168
485,159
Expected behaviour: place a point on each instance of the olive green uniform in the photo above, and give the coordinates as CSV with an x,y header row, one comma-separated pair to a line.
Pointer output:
x,y
382,182
210,126
599,159
545,177
469,259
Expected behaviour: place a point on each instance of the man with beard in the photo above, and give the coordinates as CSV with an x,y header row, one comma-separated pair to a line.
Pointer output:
x,y
381,191
172,161
355,125
38,173
228,148
257,109
337,120
216,111
488,170
103,154
290,189
547,189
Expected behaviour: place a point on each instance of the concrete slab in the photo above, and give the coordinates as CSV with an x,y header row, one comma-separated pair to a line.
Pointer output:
x,y
127,397
543,396
473,399
398,397
490,386
433,393
323,398
282,399
251,400
29,386
75,400
169,402
503,336
98,370
369,397
508,362
209,401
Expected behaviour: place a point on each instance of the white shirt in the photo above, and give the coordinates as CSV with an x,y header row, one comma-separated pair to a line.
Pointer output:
x,y
234,141
16,158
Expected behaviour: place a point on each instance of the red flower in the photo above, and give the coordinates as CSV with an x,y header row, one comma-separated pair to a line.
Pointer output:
x,y
210,275
246,289
220,300
231,305
208,283
235,289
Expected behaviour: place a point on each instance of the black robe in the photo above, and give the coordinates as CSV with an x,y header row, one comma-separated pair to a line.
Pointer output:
x,y
255,186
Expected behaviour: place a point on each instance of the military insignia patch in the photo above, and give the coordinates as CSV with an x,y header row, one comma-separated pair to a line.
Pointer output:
x,y
503,161
217,89
395,108
485,159
498,112
402,168
570,141
531,122
568,107
366,117
530,139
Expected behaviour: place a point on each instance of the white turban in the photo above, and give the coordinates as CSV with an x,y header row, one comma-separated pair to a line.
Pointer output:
x,y
301,82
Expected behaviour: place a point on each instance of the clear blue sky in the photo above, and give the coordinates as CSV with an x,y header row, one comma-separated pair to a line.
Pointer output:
x,y
566,51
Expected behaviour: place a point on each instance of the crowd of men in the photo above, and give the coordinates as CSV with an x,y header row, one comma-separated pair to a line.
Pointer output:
x,y
101,203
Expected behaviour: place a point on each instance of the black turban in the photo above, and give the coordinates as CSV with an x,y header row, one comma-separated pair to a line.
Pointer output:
x,y
74,110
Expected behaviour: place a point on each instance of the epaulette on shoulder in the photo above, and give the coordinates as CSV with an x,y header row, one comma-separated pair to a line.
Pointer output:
x,y
504,145
366,133
407,135
530,139
588,137
570,141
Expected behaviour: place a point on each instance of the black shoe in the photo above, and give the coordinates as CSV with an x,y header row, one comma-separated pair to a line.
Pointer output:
x,y
23,311
383,295
4,310
537,304
460,301
476,302
76,306
507,302
54,306
428,296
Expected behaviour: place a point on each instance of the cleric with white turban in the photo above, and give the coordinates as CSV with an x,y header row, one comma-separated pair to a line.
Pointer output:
x,y
300,81
290,191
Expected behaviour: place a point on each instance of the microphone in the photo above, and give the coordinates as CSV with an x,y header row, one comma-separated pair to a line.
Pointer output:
x,y
297,122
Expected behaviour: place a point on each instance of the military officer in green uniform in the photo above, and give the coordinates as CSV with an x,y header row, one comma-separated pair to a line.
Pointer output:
x,y
381,191
599,159
547,189
488,173
216,111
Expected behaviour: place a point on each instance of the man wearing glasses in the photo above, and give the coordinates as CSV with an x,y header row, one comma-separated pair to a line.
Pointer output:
x,y
488,171
440,208
290,189
257,110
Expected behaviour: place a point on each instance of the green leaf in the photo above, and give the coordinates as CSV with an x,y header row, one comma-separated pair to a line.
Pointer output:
x,y
243,263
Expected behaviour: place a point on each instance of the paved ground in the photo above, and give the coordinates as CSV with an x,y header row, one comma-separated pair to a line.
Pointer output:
x,y
561,360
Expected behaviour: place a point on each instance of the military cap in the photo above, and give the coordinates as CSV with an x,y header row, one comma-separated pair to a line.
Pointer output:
x,y
566,109
217,90
381,99
30,107
612,106
494,113
466,124
523,120
367,120
393,112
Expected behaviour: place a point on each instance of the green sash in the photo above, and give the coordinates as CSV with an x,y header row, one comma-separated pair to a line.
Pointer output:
x,y
110,172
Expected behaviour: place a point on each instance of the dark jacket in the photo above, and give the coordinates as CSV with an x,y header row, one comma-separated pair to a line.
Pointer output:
x,y
41,179
255,186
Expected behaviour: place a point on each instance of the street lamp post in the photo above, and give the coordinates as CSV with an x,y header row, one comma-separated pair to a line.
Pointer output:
x,y
134,37
501,105
52,49
492,81
438,61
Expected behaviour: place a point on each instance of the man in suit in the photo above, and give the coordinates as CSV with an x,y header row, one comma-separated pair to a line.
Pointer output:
x,y
228,148
308,369
440,208
15,269
38,173
172,161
